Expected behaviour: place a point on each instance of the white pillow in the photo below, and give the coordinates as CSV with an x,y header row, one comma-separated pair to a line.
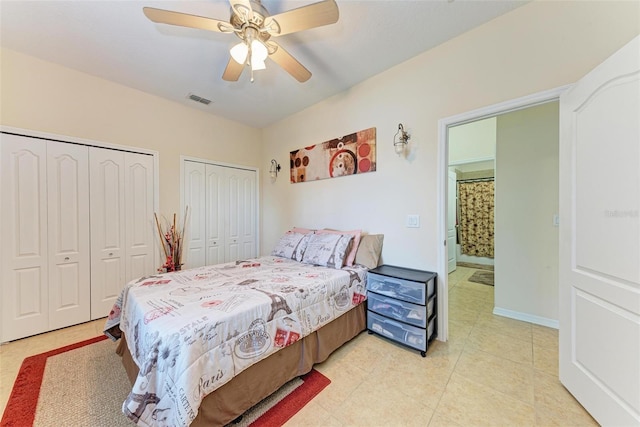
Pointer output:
x,y
292,246
328,250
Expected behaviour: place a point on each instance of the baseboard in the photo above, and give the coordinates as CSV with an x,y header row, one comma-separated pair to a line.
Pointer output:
x,y
543,321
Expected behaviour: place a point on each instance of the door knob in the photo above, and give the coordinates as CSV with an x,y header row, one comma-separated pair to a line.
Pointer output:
x,y
66,258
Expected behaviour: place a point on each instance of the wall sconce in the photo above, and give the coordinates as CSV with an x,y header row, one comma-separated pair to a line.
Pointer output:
x,y
275,168
400,139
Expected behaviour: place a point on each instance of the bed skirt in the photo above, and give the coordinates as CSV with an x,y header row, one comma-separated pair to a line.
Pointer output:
x,y
262,379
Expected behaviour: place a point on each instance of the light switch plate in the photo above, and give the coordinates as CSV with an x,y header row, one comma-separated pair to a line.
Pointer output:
x,y
413,221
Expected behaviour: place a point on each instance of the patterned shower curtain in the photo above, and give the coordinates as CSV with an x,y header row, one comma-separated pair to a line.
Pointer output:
x,y
476,201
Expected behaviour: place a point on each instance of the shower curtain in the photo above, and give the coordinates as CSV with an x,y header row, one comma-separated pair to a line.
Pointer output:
x,y
476,201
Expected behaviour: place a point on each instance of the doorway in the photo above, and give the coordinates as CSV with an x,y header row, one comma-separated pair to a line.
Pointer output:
x,y
444,126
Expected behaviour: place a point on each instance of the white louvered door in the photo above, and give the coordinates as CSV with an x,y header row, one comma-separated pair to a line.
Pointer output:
x,y
68,234
23,222
107,206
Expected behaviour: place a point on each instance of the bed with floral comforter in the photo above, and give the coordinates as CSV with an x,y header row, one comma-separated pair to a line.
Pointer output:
x,y
192,331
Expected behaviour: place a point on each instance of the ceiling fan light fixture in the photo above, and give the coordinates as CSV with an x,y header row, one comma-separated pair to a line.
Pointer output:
x,y
258,51
239,52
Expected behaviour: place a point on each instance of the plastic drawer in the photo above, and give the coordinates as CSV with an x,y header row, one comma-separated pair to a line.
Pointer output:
x,y
400,310
406,290
398,331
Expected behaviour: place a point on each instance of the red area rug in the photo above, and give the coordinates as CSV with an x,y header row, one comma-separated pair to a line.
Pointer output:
x,y
22,406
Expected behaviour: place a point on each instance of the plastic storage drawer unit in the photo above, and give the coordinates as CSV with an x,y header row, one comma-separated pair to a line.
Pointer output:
x,y
402,305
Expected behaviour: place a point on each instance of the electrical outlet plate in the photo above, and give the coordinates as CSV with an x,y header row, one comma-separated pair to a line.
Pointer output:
x,y
413,221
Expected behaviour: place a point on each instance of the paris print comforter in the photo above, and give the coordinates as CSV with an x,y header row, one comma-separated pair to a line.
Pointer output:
x,y
191,331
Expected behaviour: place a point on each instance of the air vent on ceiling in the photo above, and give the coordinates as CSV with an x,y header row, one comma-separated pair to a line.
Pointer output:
x,y
199,99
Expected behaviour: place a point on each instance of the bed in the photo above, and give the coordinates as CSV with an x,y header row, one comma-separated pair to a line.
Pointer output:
x,y
201,346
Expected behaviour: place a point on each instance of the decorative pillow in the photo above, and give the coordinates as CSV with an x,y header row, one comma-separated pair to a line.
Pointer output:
x,y
351,254
301,230
369,251
292,246
328,250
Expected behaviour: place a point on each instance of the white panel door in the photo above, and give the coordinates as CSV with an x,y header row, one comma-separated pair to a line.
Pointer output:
x,y
107,214
240,214
23,223
452,203
600,239
233,215
248,214
139,220
214,215
68,234
195,198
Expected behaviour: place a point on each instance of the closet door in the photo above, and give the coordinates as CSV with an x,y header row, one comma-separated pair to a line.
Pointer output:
x,y
68,234
23,223
139,221
195,197
107,213
214,214
240,215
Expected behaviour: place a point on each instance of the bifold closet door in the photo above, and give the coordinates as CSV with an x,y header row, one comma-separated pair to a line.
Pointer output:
x,y
23,222
122,245
140,229
194,193
240,214
223,212
107,228
68,234
214,198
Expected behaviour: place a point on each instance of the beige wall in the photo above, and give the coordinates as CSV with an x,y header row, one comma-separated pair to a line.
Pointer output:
x,y
42,96
537,47
526,241
472,142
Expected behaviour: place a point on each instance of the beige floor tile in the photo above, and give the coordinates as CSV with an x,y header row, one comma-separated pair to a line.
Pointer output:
x,y
508,347
546,360
313,415
545,337
555,406
439,420
505,326
468,403
372,405
512,378
345,379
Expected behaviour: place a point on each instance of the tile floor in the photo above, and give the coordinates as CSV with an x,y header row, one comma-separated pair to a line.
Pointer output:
x,y
493,371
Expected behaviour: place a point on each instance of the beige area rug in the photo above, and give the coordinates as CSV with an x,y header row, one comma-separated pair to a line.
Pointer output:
x,y
84,384
84,387
476,266
482,276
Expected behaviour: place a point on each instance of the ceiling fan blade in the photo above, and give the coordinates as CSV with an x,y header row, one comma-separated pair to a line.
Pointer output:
x,y
303,18
233,71
289,63
162,16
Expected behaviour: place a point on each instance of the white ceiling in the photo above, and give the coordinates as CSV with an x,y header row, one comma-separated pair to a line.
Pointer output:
x,y
115,41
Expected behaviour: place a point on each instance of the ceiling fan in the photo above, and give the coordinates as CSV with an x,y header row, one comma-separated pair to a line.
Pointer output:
x,y
251,22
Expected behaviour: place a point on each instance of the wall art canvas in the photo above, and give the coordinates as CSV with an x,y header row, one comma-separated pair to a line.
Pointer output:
x,y
349,155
